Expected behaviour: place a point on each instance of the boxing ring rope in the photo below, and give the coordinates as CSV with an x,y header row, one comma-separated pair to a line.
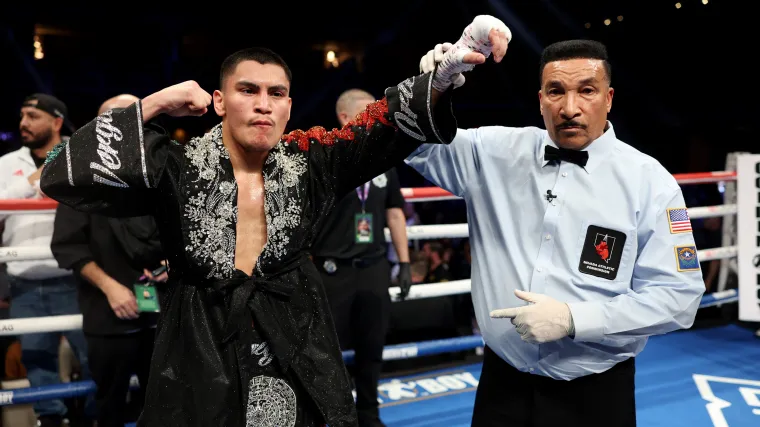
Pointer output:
x,y
431,194
419,194
415,232
419,291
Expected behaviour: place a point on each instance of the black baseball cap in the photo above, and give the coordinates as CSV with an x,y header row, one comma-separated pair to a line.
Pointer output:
x,y
51,105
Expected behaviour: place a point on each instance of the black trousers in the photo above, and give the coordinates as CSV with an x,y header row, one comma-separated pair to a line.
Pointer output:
x,y
507,397
113,360
360,306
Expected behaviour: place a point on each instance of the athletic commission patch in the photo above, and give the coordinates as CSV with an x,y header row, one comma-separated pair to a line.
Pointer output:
x,y
602,252
686,258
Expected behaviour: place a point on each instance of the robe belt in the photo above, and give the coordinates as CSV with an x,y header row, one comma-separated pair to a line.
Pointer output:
x,y
241,288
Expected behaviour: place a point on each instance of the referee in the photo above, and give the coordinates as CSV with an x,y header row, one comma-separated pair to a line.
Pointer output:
x,y
351,254
581,245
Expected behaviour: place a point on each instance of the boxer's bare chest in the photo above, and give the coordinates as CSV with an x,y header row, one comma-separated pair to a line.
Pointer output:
x,y
251,220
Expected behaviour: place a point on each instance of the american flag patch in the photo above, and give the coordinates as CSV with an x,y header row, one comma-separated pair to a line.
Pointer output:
x,y
679,221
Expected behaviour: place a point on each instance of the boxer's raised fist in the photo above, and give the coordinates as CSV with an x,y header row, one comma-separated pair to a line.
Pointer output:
x,y
183,99
486,35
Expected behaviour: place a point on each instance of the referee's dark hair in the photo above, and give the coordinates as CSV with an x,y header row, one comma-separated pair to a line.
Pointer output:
x,y
575,49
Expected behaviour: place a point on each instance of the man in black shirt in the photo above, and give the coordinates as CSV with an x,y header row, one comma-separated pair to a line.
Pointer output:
x,y
351,255
108,256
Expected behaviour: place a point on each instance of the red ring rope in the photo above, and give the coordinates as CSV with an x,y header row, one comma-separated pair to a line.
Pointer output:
x,y
409,193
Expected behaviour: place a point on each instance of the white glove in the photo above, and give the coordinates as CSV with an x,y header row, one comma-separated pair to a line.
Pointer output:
x,y
473,39
544,320
435,56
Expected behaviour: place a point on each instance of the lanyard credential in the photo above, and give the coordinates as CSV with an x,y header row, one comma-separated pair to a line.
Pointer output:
x,y
363,197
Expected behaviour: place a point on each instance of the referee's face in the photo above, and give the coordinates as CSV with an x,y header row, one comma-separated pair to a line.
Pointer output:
x,y
575,98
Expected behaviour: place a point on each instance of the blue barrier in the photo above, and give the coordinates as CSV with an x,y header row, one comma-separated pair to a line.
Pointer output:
x,y
718,298
56,391
391,352
425,348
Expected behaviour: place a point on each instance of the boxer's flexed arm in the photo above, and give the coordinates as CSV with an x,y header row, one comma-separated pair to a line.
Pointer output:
x,y
113,164
183,99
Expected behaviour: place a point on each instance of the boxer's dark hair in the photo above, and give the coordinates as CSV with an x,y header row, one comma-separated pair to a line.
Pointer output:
x,y
261,55
575,49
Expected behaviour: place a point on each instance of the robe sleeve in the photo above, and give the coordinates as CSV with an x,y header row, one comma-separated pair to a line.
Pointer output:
x,y
380,137
112,165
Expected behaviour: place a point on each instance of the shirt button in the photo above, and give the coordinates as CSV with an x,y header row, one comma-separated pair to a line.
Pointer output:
x,y
531,369
548,237
564,174
538,269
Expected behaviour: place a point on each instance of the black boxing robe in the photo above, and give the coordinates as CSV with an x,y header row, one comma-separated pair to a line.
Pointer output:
x,y
203,372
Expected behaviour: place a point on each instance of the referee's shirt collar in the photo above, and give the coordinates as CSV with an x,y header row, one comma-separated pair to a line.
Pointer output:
x,y
597,150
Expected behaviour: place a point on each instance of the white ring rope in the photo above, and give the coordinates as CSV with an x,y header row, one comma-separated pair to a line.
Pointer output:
x,y
27,212
31,325
415,232
25,253
72,322
694,213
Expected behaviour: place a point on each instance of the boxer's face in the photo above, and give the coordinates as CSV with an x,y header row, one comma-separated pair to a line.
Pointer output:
x,y
575,98
255,104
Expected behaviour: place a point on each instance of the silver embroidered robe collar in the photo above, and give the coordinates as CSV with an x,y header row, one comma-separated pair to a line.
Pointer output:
x,y
210,212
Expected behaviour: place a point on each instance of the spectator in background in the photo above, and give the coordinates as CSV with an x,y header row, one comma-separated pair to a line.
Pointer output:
x,y
412,217
461,264
438,270
427,318
38,288
108,255
419,271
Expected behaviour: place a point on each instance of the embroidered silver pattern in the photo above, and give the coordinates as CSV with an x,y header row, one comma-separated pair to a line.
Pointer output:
x,y
430,110
271,403
211,212
138,106
282,206
262,350
68,164
107,133
406,119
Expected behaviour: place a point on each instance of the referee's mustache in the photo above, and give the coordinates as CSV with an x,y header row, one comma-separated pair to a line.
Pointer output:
x,y
570,124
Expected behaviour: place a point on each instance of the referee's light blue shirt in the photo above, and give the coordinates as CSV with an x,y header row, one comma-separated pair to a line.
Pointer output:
x,y
643,280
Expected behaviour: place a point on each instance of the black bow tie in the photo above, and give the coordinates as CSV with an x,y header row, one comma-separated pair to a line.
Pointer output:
x,y
563,154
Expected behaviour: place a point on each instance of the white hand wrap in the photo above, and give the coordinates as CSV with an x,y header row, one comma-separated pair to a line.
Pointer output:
x,y
434,57
474,39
